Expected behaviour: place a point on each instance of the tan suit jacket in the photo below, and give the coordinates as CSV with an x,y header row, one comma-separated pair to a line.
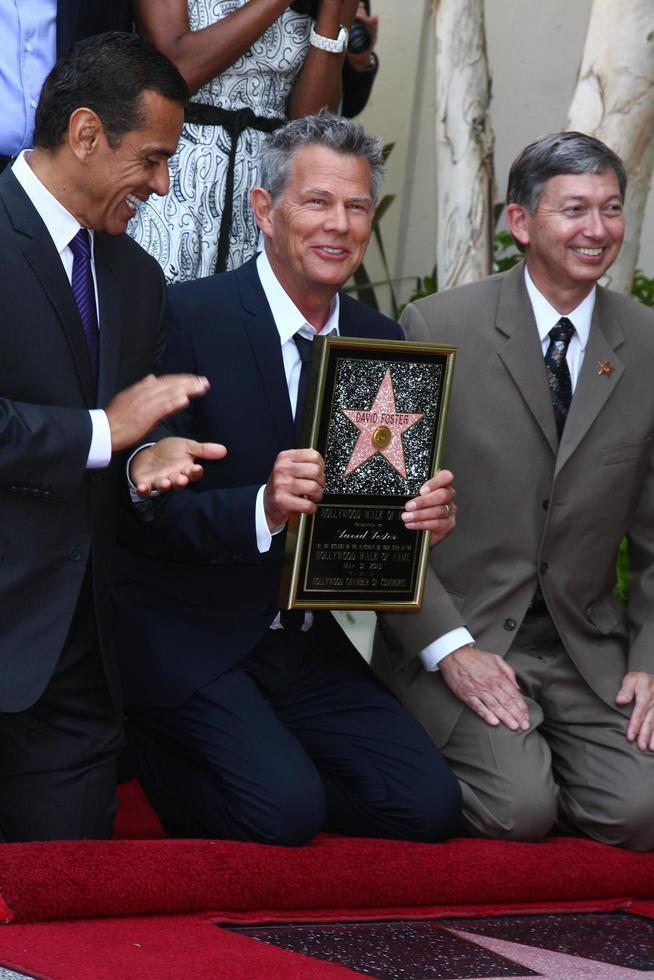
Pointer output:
x,y
527,512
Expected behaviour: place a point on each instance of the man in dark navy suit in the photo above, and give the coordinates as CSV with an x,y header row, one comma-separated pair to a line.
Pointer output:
x,y
247,724
81,332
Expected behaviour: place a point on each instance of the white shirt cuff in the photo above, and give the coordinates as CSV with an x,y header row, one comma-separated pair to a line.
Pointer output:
x,y
264,534
133,494
264,537
100,448
432,655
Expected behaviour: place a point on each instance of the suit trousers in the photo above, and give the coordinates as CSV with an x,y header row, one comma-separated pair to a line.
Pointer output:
x,y
573,766
58,757
297,738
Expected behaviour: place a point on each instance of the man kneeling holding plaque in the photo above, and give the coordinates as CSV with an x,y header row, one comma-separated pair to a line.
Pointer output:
x,y
249,723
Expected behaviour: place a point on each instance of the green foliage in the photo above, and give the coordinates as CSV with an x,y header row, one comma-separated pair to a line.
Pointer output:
x,y
642,288
621,590
505,252
424,287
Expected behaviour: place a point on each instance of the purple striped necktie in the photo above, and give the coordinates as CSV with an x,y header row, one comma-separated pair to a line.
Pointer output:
x,y
84,293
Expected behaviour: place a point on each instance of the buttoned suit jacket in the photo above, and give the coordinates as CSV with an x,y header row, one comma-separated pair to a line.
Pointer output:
x,y
531,512
194,595
55,514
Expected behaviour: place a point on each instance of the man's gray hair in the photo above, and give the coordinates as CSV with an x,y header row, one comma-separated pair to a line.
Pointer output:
x,y
559,153
324,129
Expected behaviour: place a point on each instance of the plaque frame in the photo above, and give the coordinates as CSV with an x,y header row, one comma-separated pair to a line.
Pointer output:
x,y
330,355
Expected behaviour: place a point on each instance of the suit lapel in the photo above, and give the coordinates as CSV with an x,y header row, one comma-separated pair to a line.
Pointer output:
x,y
45,262
42,256
266,352
347,321
522,356
521,352
593,389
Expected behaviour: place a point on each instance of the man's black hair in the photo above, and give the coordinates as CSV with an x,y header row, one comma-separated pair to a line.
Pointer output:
x,y
107,73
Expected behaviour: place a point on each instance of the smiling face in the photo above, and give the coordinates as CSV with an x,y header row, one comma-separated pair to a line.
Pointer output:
x,y
118,177
573,236
318,229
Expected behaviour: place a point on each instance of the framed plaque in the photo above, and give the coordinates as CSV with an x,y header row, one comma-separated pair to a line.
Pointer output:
x,y
376,411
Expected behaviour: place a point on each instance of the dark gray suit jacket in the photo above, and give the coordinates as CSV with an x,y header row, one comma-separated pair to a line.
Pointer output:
x,y
531,511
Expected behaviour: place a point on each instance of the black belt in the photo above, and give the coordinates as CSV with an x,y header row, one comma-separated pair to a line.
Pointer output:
x,y
234,121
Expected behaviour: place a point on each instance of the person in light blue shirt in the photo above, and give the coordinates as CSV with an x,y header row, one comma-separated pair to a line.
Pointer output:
x,y
33,36
29,32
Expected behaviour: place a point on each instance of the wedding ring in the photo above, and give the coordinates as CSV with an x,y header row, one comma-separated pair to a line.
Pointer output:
x,y
447,509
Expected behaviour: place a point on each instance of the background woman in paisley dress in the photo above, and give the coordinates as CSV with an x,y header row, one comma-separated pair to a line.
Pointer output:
x,y
234,54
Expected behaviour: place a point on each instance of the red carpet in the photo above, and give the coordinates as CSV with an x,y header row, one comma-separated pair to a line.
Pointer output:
x,y
332,878
152,948
146,907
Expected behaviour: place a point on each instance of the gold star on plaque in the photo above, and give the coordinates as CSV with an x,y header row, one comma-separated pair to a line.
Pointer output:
x,y
605,367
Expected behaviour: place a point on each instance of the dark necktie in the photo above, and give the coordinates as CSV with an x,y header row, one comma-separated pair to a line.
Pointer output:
x,y
558,378
84,293
293,619
558,373
304,348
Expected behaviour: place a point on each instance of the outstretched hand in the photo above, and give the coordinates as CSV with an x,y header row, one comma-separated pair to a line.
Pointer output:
x,y
133,412
171,464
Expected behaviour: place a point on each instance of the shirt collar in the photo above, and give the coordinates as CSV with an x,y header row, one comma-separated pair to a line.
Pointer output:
x,y
546,316
286,315
60,223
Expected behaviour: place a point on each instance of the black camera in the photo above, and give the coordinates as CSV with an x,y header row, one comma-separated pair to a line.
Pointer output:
x,y
360,38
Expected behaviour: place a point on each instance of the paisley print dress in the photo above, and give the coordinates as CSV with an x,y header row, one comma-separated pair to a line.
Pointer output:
x,y
181,230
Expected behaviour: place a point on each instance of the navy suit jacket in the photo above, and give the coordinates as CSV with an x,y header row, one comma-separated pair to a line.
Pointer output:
x,y
54,513
194,594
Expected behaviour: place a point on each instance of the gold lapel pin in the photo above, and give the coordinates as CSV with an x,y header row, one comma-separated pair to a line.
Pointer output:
x,y
605,367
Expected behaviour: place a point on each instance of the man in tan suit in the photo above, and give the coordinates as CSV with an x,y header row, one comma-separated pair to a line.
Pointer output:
x,y
537,685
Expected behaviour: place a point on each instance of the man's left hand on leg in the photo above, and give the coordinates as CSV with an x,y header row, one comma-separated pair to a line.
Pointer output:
x,y
638,686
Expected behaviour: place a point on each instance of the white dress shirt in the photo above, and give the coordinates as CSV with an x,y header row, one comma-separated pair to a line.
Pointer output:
x,y
288,321
546,317
63,227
